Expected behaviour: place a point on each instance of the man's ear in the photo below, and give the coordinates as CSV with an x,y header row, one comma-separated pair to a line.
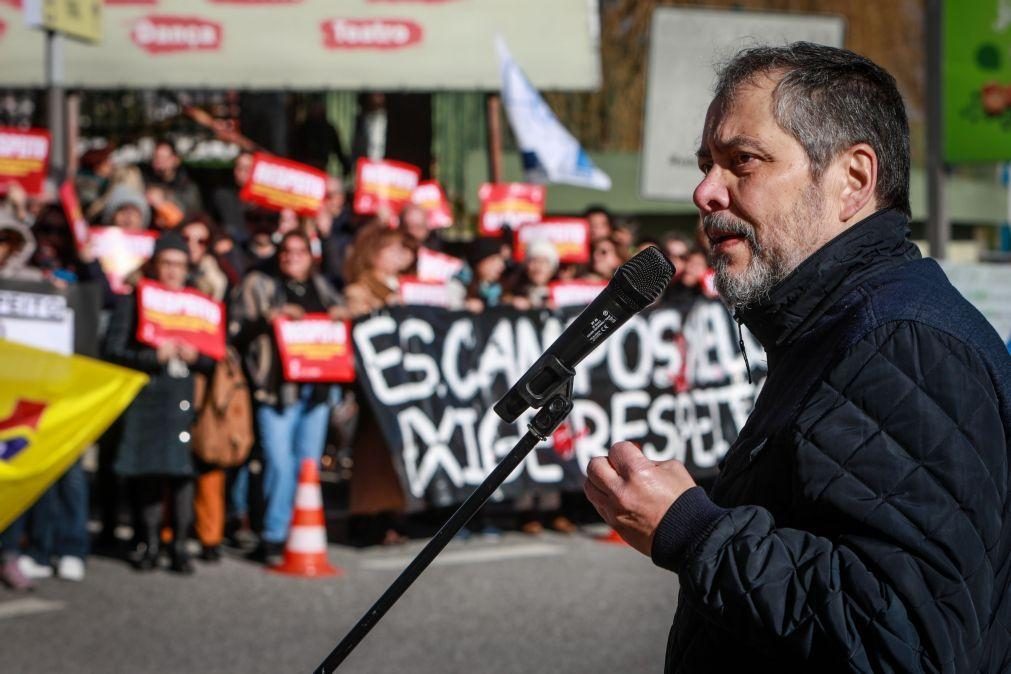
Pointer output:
x,y
859,166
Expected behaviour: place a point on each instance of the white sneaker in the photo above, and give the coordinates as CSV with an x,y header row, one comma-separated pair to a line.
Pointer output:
x,y
71,568
29,568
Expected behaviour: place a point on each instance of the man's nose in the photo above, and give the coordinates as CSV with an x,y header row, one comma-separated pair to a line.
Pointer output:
x,y
712,194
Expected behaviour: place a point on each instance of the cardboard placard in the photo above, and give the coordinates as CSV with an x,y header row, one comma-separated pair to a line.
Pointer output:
x,y
383,184
277,183
430,196
569,236
72,209
436,266
509,205
414,291
24,158
185,315
315,348
121,252
574,293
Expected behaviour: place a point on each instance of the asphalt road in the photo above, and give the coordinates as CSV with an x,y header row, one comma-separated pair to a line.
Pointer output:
x,y
522,604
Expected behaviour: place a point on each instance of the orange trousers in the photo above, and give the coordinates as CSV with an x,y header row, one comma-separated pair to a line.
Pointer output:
x,y
209,507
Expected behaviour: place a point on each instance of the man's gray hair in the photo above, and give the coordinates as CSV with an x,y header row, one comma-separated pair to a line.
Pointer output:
x,y
830,99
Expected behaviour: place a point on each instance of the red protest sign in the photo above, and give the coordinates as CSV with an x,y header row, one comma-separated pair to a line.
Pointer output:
x,y
509,205
569,236
184,315
315,348
426,293
121,253
277,184
381,184
429,196
72,209
574,293
436,266
24,156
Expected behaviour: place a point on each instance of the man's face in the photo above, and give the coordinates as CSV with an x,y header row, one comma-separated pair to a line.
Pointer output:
x,y
600,226
164,161
761,211
243,168
334,202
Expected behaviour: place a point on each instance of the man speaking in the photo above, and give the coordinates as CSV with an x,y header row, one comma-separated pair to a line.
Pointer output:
x,y
860,521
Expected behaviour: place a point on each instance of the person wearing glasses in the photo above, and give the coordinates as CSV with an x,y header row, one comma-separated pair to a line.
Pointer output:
x,y
291,417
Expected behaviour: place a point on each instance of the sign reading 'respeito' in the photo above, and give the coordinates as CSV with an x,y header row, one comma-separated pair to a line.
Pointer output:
x,y
24,155
277,184
183,315
315,349
569,236
383,184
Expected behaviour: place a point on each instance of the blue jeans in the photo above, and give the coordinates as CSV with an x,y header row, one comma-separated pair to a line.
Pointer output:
x,y
287,436
59,519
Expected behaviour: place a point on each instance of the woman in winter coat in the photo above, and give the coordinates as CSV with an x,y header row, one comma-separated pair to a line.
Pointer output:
x,y
154,452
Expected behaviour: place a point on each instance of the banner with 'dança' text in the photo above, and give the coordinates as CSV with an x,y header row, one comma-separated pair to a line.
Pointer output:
x,y
672,379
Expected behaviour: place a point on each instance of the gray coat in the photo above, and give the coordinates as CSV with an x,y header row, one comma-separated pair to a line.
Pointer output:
x,y
156,425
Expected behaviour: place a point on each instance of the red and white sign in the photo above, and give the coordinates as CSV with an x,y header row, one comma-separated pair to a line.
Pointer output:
x,y
72,209
24,156
708,283
370,33
184,315
429,196
315,348
167,34
121,253
574,293
427,293
570,237
509,205
436,266
380,184
277,184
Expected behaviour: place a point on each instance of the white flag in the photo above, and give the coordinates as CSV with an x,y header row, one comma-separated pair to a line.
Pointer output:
x,y
550,153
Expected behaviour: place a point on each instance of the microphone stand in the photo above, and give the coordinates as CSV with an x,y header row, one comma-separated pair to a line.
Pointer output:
x,y
543,424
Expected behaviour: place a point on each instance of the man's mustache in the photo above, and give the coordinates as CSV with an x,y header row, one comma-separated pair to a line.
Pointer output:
x,y
716,225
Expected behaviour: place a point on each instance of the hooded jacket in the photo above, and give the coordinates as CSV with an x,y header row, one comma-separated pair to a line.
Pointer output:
x,y
860,522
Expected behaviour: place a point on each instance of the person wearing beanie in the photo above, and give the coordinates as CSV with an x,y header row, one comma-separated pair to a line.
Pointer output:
x,y
154,455
529,289
126,207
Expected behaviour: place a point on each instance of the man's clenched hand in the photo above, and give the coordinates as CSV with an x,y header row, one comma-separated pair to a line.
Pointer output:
x,y
632,493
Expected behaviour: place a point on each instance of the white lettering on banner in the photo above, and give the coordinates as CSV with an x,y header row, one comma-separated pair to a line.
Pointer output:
x,y
23,146
313,332
389,175
37,306
175,33
289,180
181,304
554,232
495,220
380,33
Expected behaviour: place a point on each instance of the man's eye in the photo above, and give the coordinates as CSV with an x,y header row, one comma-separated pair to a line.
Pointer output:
x,y
743,158
706,167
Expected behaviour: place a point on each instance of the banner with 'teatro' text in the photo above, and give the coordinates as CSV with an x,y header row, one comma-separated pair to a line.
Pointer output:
x,y
671,380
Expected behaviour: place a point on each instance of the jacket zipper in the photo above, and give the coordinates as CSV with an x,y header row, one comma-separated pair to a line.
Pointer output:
x,y
740,342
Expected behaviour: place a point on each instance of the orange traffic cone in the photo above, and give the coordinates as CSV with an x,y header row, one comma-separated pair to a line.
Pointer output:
x,y
613,537
305,552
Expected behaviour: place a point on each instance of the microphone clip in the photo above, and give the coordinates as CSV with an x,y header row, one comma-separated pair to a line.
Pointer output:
x,y
546,379
553,413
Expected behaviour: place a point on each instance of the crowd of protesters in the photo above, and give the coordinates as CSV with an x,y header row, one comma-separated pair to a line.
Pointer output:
x,y
262,265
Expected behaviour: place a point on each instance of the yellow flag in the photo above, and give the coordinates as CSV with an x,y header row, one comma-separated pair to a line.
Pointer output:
x,y
51,408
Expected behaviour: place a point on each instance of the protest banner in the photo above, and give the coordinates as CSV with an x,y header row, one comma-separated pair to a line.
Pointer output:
x,y
276,184
72,209
574,293
672,379
383,185
414,291
24,158
315,348
509,205
185,315
430,196
436,266
121,253
569,236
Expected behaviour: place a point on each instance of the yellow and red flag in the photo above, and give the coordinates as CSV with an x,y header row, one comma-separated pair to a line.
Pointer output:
x,y
52,407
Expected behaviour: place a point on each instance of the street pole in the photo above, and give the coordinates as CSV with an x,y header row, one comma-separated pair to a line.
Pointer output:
x,y
494,105
56,102
938,225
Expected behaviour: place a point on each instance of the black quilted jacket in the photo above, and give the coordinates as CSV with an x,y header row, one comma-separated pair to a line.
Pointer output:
x,y
860,521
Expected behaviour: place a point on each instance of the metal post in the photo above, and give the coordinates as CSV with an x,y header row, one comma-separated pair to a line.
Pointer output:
x,y
494,104
938,225
56,102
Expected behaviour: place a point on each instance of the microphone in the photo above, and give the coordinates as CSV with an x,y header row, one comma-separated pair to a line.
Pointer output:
x,y
635,285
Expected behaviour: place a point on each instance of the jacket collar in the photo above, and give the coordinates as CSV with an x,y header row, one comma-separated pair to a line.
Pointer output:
x,y
877,243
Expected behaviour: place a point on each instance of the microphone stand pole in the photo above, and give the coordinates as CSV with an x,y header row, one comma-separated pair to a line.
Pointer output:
x,y
543,425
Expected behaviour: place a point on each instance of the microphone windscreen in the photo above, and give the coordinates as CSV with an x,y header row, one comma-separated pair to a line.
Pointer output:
x,y
648,273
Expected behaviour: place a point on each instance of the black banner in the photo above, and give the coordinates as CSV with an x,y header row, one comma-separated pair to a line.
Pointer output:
x,y
672,380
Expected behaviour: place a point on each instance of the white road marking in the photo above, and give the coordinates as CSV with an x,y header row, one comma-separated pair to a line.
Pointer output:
x,y
478,556
21,607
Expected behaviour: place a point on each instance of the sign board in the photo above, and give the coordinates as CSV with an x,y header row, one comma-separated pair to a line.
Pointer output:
x,y
184,315
569,236
277,183
81,19
315,348
685,46
24,156
977,80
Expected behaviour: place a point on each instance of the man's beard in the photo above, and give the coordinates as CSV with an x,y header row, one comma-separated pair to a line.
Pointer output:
x,y
771,263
